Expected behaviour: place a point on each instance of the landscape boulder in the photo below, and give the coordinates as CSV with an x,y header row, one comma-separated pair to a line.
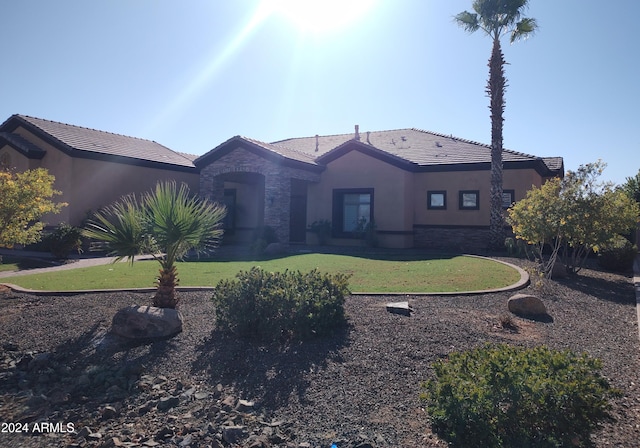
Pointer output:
x,y
146,322
526,305
402,308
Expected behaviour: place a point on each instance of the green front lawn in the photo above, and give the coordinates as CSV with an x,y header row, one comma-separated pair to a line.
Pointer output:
x,y
447,274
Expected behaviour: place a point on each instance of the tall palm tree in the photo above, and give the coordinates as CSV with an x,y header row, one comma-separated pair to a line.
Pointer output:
x,y
497,18
166,223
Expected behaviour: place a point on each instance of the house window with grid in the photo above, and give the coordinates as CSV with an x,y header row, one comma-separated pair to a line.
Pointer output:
x,y
352,211
469,200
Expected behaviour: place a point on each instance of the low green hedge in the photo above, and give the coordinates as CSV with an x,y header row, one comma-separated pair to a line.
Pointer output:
x,y
505,396
277,305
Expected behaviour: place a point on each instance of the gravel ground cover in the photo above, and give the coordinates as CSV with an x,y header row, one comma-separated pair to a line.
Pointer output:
x,y
59,365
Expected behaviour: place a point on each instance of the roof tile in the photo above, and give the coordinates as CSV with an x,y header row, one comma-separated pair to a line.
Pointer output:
x,y
91,140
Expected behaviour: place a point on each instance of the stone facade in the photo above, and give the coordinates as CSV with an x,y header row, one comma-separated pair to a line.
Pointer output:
x,y
459,238
277,184
452,238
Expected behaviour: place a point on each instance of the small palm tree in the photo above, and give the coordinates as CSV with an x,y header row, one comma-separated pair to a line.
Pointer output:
x,y
497,18
166,223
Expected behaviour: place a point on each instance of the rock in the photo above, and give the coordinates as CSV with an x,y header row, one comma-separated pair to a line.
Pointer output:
x,y
10,346
84,432
112,442
146,322
233,434
274,249
188,440
399,308
244,406
94,436
526,305
167,403
164,433
229,402
109,412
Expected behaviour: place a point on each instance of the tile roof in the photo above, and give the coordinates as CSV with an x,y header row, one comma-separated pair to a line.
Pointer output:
x,y
554,163
91,141
416,146
288,152
277,153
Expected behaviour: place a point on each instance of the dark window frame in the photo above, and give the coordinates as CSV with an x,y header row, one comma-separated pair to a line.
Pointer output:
x,y
430,206
337,231
461,194
510,192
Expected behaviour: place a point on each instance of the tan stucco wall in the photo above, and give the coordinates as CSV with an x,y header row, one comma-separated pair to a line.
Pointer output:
x,y
96,183
393,195
88,185
519,180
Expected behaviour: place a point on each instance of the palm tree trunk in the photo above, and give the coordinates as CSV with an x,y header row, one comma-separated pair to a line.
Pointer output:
x,y
166,293
495,89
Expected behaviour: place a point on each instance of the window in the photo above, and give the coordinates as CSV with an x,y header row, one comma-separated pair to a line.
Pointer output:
x,y
508,198
436,200
469,200
352,210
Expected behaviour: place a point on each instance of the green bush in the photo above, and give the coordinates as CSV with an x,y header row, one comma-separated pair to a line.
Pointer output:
x,y
322,229
261,238
504,396
276,305
63,240
617,255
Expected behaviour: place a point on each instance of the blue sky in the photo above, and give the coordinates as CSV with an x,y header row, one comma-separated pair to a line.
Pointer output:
x,y
192,74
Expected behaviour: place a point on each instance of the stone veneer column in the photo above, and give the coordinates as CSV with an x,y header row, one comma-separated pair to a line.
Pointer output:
x,y
277,203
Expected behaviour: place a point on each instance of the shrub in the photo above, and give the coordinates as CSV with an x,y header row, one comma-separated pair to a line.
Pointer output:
x,y
322,229
275,305
63,240
261,238
504,396
617,255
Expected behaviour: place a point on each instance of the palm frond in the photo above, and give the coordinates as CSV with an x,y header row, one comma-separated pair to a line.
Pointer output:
x,y
498,17
468,21
524,29
181,222
122,226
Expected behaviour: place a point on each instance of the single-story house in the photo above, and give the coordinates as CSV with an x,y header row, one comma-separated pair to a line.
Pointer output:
x,y
421,189
92,168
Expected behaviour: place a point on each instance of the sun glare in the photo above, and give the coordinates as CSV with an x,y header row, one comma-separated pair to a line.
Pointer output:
x,y
320,16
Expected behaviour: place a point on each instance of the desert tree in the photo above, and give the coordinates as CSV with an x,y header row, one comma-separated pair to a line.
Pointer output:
x,y
25,198
573,216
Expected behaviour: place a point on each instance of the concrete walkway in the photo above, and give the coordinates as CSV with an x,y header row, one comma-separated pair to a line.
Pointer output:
x,y
73,263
